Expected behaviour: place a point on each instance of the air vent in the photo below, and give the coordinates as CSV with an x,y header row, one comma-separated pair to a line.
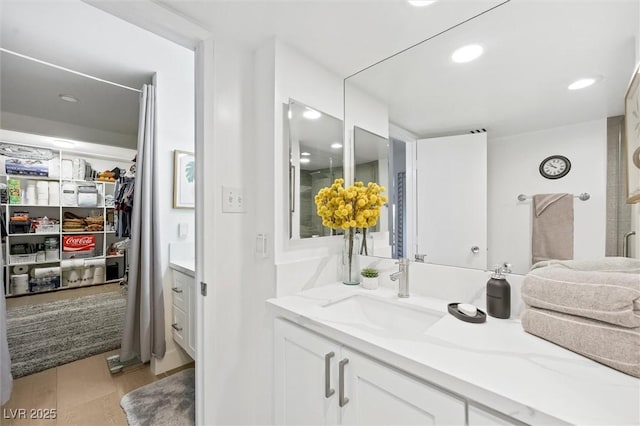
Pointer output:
x,y
479,131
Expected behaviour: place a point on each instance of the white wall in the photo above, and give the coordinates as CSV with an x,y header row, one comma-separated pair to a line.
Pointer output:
x,y
299,78
513,169
236,294
40,126
73,24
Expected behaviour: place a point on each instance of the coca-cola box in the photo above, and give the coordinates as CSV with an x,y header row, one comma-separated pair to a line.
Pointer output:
x,y
78,246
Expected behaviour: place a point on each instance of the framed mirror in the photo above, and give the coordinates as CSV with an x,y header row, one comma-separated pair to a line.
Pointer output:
x,y
525,96
315,145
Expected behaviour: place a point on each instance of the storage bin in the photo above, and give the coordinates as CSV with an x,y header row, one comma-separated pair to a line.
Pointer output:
x,y
22,258
87,196
69,194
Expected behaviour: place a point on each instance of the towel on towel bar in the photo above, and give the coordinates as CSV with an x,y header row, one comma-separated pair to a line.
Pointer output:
x,y
605,264
552,227
612,297
616,347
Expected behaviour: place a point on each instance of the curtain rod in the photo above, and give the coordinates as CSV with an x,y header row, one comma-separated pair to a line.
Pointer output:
x,y
49,64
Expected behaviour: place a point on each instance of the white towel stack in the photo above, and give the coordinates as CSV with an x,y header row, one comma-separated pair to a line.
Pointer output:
x,y
54,193
30,192
43,193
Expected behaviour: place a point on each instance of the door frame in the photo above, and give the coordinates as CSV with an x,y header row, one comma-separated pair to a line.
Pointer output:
x,y
164,22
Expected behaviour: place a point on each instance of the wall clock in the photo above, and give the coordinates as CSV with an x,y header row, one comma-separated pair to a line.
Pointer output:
x,y
555,167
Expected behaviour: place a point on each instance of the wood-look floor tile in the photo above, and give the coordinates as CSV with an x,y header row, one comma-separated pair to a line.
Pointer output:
x,y
34,391
83,381
132,379
102,411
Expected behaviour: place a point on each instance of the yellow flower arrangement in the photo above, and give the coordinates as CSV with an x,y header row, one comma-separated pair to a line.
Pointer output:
x,y
357,206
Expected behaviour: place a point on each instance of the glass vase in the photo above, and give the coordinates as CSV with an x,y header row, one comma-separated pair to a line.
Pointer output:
x,y
351,258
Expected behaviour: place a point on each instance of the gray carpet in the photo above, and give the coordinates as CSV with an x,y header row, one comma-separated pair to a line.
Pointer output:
x,y
46,335
170,402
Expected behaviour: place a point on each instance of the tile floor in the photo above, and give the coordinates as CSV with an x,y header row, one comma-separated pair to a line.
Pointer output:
x,y
83,392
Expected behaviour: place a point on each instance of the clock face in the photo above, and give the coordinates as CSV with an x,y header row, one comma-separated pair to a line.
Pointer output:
x,y
555,167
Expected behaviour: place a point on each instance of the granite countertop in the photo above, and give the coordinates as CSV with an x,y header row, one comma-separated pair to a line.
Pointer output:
x,y
495,363
186,266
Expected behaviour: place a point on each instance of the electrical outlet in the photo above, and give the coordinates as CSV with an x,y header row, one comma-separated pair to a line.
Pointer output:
x,y
232,200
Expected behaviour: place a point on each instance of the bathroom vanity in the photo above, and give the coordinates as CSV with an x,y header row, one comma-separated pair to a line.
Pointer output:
x,y
183,293
344,355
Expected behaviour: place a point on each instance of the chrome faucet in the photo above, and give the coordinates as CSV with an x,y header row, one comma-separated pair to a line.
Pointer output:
x,y
403,276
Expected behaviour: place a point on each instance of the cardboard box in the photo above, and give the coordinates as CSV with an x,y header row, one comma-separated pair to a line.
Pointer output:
x,y
78,246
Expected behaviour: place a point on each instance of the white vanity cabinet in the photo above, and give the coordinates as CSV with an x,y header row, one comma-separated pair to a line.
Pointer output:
x,y
480,417
318,381
184,312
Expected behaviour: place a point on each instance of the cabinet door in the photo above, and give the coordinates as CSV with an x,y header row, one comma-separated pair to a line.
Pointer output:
x,y
379,395
480,417
179,289
306,379
191,317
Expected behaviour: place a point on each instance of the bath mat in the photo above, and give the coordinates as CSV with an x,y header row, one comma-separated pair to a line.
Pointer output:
x,y
170,401
46,335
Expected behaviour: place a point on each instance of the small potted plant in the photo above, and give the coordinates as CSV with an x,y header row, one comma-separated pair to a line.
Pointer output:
x,y
369,278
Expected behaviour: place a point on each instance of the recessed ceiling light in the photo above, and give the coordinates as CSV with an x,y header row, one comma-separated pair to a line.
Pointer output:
x,y
305,154
305,160
68,98
421,3
582,83
336,145
63,144
467,53
311,114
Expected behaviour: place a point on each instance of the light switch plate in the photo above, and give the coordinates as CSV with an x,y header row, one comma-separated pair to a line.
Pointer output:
x,y
183,230
232,199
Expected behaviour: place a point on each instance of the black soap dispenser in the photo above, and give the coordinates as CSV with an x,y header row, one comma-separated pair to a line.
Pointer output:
x,y
498,295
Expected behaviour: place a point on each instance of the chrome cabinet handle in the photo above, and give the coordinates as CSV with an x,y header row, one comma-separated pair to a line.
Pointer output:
x,y
327,375
176,289
175,326
342,400
475,249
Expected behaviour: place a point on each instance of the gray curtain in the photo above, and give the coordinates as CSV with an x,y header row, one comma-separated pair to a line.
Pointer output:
x,y
144,318
6,380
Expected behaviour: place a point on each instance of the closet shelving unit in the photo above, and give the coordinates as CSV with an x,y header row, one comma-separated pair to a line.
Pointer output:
x,y
103,239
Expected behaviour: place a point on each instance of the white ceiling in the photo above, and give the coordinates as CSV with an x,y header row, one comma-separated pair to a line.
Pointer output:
x,y
343,35
533,51
55,32
30,88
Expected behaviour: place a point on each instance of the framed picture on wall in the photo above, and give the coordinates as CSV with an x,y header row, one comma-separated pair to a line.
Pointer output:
x,y
632,138
184,179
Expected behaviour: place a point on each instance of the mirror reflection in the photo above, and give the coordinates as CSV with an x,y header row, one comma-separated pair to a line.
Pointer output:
x,y
477,130
315,161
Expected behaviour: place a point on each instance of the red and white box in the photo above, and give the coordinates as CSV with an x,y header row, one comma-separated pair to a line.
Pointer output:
x,y
78,246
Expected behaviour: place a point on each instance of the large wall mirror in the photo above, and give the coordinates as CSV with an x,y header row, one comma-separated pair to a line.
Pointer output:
x,y
470,133
315,150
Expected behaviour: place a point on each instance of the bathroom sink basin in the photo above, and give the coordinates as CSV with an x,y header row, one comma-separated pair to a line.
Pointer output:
x,y
379,316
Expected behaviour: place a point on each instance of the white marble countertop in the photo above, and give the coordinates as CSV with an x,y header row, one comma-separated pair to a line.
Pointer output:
x,y
186,266
495,363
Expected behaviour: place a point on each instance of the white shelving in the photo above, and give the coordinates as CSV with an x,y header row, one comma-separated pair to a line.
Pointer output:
x,y
103,239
